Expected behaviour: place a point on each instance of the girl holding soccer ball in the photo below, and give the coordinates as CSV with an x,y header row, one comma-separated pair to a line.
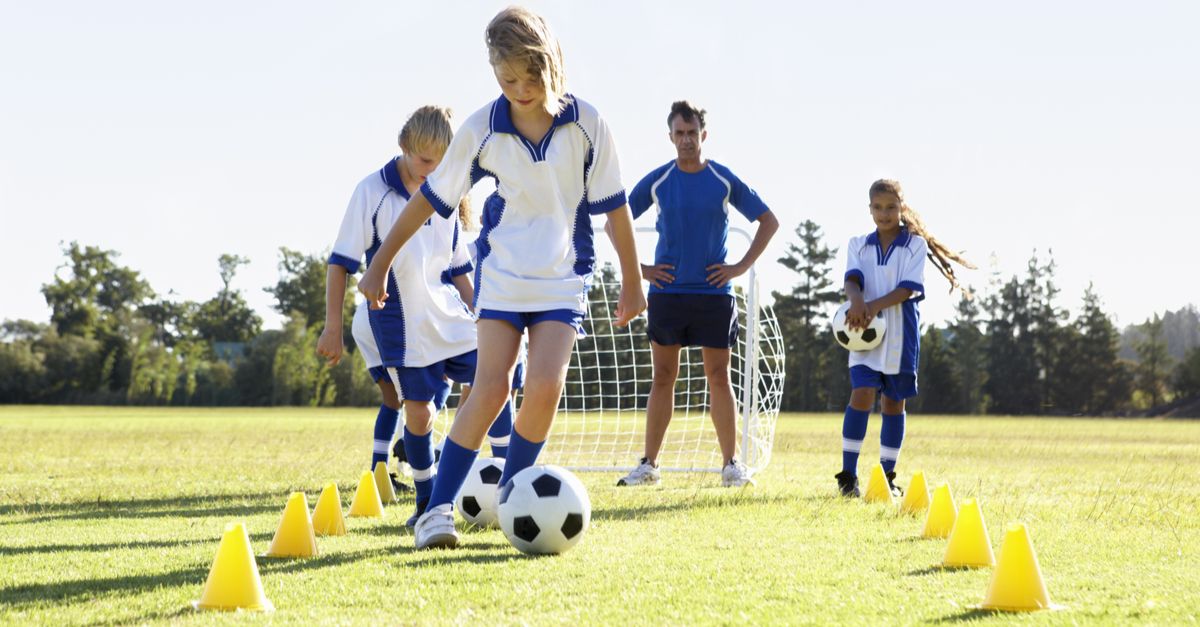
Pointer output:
x,y
885,274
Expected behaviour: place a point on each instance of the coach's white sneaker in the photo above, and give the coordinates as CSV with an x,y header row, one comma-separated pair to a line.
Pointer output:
x,y
644,474
435,529
735,474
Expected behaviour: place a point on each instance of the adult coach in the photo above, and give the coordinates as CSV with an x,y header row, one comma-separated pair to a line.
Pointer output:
x,y
691,299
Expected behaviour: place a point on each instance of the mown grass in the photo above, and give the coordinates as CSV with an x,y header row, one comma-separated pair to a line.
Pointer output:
x,y
113,515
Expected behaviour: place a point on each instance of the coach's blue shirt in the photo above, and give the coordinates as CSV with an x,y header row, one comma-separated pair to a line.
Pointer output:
x,y
693,221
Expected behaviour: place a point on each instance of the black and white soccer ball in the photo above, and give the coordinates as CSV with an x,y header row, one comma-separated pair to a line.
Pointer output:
x,y
544,509
476,501
857,339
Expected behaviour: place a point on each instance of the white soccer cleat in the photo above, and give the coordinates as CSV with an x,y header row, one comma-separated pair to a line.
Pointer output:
x,y
735,474
644,474
435,529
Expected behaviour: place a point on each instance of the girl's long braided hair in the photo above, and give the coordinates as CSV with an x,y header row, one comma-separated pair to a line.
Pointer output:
x,y
939,254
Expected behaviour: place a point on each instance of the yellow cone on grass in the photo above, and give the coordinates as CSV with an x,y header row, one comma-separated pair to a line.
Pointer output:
x,y
878,490
327,515
366,501
384,483
916,499
969,543
1017,582
294,537
233,582
942,512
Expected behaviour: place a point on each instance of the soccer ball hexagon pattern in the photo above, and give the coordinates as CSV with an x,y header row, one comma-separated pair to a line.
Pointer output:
x,y
857,339
476,501
544,509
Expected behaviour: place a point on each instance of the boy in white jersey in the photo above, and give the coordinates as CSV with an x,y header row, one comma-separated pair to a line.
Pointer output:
x,y
885,275
555,165
425,333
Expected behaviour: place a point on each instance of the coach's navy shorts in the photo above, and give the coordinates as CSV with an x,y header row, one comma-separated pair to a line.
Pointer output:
x,y
895,386
521,320
708,320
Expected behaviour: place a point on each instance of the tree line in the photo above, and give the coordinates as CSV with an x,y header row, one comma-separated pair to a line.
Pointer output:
x,y
1013,348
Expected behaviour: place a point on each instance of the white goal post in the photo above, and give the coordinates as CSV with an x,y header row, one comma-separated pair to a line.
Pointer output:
x,y
602,415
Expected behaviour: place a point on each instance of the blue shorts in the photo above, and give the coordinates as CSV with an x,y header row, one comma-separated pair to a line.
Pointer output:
x,y
379,373
521,320
895,386
708,320
429,383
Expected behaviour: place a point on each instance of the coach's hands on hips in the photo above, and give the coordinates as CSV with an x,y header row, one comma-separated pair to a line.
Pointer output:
x,y
720,274
329,345
372,286
657,275
630,304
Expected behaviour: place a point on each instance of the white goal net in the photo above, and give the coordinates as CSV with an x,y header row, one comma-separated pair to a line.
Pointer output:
x,y
601,422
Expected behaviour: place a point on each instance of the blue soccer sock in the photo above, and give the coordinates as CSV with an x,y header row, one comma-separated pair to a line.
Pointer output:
x,y
854,430
501,429
385,428
451,473
891,436
521,455
419,449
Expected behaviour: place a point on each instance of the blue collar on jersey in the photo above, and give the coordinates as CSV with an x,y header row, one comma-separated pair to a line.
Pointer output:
x,y
900,242
502,116
392,178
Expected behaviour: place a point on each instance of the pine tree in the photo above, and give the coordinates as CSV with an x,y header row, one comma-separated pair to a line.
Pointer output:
x,y
1154,363
802,315
1098,382
967,346
938,376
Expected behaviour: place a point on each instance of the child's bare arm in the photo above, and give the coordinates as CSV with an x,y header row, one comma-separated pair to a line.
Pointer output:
x,y
632,300
329,345
373,284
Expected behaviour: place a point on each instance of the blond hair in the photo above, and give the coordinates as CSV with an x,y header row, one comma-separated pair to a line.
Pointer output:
x,y
428,131
521,37
939,253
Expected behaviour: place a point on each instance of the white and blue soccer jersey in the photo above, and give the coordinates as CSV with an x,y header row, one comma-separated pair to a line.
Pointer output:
x,y
693,221
424,320
535,247
879,272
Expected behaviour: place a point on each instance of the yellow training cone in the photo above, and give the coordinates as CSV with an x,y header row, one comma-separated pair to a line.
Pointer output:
x,y
916,499
366,501
327,515
940,519
1017,583
969,543
384,483
878,490
233,582
295,537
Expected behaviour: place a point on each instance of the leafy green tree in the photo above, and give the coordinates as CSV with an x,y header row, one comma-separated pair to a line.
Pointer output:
x,y
301,286
227,317
298,375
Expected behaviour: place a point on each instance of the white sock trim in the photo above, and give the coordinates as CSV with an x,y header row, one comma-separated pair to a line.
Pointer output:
x,y
499,441
422,475
887,453
852,446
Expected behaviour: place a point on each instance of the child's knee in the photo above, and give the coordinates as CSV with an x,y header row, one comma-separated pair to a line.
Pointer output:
x,y
862,399
418,417
892,406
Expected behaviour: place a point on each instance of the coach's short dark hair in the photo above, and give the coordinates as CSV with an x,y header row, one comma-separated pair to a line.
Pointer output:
x,y
689,113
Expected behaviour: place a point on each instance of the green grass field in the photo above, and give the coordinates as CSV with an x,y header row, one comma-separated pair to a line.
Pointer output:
x,y
114,516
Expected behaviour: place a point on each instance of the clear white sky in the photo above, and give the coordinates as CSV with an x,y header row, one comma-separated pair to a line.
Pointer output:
x,y
174,132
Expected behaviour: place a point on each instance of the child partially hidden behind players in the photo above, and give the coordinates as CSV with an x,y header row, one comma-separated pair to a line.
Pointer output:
x,y
555,165
885,274
424,333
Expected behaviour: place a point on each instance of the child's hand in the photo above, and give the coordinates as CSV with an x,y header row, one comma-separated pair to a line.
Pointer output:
x,y
329,345
858,316
372,286
631,303
657,275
